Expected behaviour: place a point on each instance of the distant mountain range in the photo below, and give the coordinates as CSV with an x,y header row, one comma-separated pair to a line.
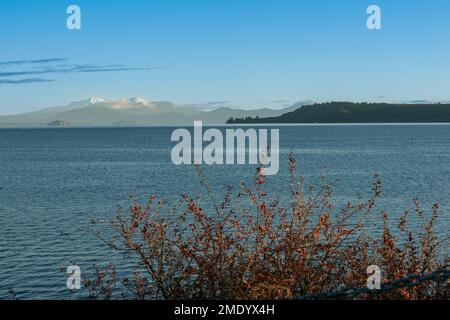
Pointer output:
x,y
132,112
348,112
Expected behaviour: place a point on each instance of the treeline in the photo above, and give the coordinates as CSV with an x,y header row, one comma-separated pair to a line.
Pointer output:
x,y
349,112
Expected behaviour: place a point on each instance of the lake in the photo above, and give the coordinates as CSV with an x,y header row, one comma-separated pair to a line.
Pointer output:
x,y
53,182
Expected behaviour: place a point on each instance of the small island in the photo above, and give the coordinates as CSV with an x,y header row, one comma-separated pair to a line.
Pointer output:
x,y
58,123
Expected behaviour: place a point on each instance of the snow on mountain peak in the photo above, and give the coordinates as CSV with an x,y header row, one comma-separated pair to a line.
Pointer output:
x,y
131,103
94,100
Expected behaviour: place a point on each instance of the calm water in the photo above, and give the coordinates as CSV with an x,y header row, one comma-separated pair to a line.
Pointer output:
x,y
54,181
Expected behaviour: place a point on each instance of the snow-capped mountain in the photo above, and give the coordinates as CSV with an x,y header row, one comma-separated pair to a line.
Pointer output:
x,y
135,111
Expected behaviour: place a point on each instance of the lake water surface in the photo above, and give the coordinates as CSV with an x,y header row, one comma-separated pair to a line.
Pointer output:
x,y
53,182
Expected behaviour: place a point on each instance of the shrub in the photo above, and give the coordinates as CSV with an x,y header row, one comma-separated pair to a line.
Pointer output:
x,y
248,246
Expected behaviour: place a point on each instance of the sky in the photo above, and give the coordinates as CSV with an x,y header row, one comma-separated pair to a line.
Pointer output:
x,y
248,53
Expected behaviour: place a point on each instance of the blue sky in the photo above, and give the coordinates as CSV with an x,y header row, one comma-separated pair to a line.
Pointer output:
x,y
250,53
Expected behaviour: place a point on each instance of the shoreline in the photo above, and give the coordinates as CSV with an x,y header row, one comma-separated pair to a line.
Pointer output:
x,y
359,124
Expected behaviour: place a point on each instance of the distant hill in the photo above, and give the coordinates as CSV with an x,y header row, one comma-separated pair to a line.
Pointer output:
x,y
132,112
348,112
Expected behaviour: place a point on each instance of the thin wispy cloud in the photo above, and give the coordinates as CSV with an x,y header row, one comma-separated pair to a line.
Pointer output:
x,y
22,62
47,66
22,81
70,69
217,102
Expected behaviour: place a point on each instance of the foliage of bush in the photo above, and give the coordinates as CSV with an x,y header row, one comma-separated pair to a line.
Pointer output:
x,y
251,247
